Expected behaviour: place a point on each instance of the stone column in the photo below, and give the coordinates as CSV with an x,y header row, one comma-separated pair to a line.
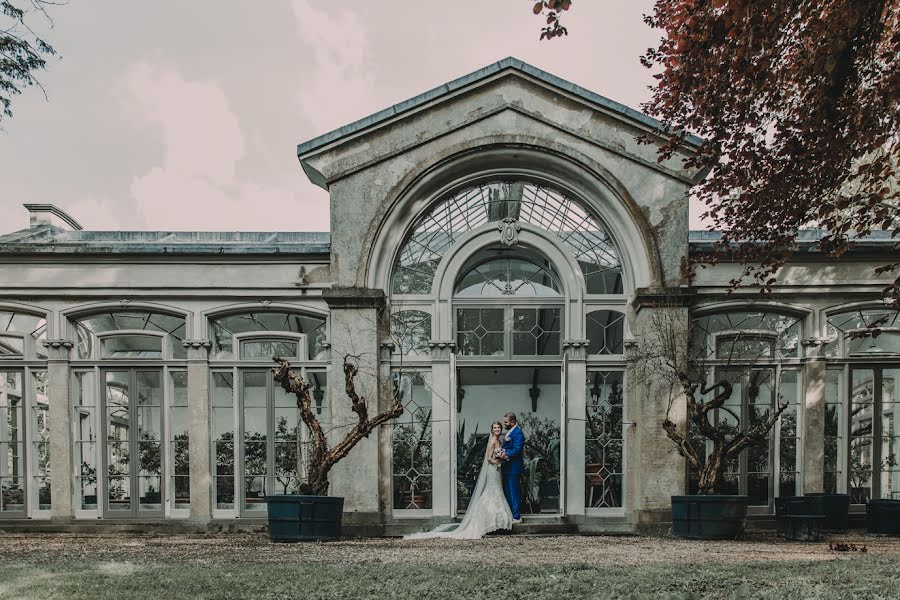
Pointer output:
x,y
659,471
443,470
62,469
814,418
199,429
575,408
356,328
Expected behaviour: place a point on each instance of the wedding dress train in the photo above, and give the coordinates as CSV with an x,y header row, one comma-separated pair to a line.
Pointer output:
x,y
488,510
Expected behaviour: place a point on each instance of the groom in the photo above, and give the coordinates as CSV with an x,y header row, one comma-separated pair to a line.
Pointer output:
x,y
513,464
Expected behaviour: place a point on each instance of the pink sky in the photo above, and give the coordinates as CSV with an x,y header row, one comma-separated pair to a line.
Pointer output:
x,y
185,115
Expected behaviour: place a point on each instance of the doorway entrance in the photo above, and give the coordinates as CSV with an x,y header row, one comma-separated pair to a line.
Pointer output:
x,y
534,394
131,462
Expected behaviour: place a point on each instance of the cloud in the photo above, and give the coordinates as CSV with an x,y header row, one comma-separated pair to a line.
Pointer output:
x,y
340,80
197,184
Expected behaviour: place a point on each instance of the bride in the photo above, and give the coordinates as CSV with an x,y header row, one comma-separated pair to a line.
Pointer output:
x,y
488,510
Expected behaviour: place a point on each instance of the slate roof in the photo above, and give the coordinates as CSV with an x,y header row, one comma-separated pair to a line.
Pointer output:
x,y
376,119
49,239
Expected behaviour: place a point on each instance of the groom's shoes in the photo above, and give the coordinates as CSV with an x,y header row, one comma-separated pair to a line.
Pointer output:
x,y
517,521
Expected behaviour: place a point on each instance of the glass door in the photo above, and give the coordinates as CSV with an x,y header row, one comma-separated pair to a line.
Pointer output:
x,y
133,430
874,433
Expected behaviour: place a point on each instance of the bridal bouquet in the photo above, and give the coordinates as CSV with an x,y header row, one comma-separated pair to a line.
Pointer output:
x,y
500,454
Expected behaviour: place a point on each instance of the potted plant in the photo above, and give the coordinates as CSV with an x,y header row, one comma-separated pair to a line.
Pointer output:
x,y
698,387
313,514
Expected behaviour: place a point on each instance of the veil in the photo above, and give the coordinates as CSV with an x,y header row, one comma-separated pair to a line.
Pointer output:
x,y
450,528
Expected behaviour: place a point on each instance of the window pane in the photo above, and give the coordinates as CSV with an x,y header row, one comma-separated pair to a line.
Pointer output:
x,y
179,442
266,349
411,332
605,332
603,443
223,329
834,432
171,325
131,346
40,427
509,277
412,442
11,347
890,433
223,438
480,331
862,395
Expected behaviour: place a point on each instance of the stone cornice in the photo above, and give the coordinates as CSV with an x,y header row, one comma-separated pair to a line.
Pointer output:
x,y
354,297
197,349
575,349
58,349
441,349
663,297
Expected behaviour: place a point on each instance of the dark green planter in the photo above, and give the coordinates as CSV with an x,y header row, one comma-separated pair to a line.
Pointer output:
x,y
800,518
883,516
837,511
709,517
304,518
800,528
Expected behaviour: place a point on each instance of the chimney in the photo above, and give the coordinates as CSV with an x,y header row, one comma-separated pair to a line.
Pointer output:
x,y
48,214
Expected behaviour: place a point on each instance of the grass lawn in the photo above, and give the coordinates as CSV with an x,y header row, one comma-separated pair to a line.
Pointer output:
x,y
247,566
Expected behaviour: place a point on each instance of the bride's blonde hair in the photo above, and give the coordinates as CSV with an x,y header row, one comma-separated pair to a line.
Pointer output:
x,y
499,424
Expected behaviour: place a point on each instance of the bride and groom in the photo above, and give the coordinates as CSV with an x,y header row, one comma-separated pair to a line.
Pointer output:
x,y
496,498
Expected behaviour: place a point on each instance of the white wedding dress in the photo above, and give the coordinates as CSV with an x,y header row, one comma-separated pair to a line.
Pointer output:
x,y
488,510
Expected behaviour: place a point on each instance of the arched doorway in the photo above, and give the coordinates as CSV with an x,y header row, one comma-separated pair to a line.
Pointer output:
x,y
508,278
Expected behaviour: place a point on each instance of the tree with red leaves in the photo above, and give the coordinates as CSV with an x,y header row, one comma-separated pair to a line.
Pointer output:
x,y
798,104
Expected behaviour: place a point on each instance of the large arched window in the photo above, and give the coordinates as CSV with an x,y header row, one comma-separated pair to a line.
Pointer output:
x,y
256,429
579,231
131,442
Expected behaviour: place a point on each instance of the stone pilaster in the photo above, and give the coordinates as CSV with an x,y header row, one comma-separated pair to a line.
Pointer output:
x,y
62,478
658,470
356,328
576,374
199,429
814,417
442,407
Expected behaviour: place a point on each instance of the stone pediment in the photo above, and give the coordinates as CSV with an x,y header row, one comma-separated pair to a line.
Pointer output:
x,y
475,101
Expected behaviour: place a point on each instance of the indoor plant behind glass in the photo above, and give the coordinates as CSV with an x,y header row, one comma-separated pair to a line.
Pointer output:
x,y
698,383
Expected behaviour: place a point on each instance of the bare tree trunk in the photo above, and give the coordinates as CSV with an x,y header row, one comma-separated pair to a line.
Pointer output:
x,y
711,469
321,458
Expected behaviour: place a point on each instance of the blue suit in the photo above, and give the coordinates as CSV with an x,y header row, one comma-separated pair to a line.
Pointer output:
x,y
513,468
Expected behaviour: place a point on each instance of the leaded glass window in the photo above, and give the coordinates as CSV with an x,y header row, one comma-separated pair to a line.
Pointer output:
x,y
536,331
480,331
412,442
411,333
605,332
603,440
509,277
579,231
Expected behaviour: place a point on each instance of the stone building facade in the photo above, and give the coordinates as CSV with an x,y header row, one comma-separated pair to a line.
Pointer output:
x,y
497,244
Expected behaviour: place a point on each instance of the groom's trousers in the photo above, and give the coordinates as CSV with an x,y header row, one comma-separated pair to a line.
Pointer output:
x,y
512,489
